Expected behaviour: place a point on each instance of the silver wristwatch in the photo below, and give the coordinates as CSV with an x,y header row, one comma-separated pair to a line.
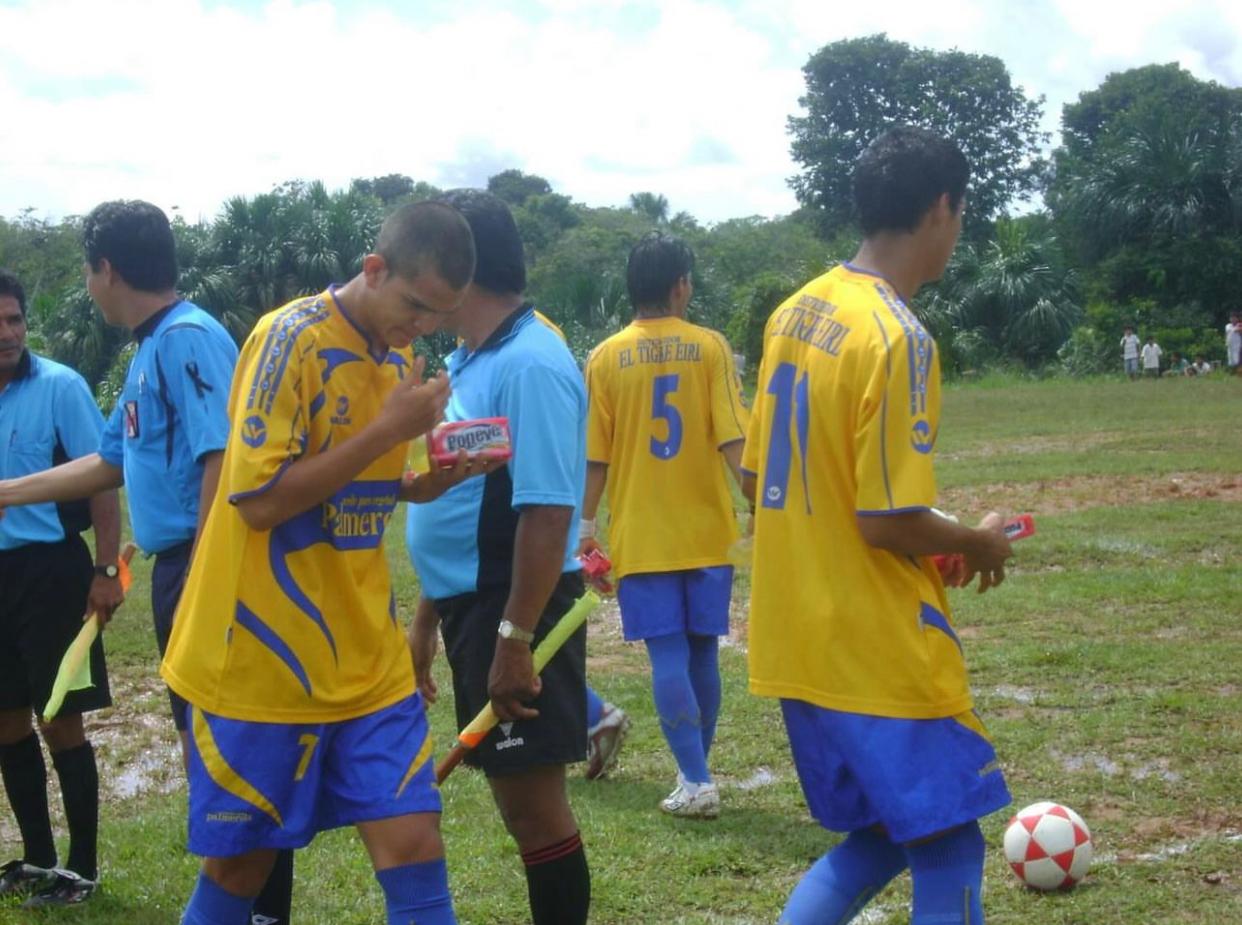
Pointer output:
x,y
510,630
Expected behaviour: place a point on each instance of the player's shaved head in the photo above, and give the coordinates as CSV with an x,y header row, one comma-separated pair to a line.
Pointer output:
x,y
501,259
902,174
423,235
655,265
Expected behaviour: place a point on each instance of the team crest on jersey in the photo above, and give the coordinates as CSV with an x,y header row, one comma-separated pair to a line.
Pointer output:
x,y
254,431
921,437
342,411
132,430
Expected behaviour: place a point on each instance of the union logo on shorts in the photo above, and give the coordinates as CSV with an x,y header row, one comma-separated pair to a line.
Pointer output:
x,y
131,419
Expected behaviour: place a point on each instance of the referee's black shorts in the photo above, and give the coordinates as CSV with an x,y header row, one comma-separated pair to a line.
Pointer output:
x,y
558,735
43,594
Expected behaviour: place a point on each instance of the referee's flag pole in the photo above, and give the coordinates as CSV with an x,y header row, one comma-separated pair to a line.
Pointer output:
x,y
486,720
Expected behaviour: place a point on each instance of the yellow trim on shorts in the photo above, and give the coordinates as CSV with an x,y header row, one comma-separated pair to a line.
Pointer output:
x,y
420,759
223,773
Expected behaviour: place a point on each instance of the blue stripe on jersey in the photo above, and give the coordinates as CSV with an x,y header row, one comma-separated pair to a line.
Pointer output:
x,y
918,350
282,335
930,616
888,368
728,361
266,635
294,535
332,357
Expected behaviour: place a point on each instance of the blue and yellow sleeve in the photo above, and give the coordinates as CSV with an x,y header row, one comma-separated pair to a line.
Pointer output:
x,y
729,415
898,422
600,417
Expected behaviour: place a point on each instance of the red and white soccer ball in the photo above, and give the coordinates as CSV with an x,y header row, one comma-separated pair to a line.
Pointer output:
x,y
1048,846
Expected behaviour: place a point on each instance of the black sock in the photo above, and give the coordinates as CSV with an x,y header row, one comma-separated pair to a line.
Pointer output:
x,y
79,788
25,781
559,883
271,906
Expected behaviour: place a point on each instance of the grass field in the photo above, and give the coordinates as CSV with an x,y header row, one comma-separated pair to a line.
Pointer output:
x,y
1109,669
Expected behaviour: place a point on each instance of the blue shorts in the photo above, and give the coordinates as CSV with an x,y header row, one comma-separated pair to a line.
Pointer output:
x,y
915,777
275,785
1131,366
694,602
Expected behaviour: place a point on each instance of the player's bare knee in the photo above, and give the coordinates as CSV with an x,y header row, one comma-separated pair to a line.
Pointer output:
x,y
15,725
64,732
243,874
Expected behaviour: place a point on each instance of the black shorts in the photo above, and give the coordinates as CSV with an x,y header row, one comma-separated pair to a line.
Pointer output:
x,y
559,734
167,583
43,593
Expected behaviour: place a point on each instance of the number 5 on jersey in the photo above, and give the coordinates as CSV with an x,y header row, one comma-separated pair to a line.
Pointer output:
x,y
661,409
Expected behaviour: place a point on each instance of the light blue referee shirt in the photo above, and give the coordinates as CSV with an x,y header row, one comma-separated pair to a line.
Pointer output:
x,y
172,412
47,416
463,541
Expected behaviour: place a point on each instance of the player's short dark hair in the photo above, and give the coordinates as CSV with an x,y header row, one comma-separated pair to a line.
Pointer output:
x,y
10,285
500,261
136,239
422,234
656,263
901,175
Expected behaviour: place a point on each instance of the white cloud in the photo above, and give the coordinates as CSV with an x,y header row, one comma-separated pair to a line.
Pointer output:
x,y
187,103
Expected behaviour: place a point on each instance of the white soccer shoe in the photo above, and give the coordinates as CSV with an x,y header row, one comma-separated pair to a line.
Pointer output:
x,y
604,741
692,801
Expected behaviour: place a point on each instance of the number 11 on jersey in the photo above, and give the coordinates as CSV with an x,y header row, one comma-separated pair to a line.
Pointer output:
x,y
793,399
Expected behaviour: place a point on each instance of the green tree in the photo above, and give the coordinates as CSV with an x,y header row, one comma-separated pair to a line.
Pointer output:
x,y
858,88
650,206
515,187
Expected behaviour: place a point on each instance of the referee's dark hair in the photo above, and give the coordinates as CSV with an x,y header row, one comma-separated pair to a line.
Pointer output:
x,y
136,240
10,285
656,263
423,233
500,262
901,175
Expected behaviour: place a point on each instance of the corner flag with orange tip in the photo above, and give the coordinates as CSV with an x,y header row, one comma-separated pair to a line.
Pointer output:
x,y
478,728
74,673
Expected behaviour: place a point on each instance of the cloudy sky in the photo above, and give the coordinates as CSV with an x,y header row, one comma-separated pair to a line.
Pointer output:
x,y
188,102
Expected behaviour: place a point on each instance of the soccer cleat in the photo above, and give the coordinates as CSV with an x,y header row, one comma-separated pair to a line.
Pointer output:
x,y
701,802
65,889
604,741
17,878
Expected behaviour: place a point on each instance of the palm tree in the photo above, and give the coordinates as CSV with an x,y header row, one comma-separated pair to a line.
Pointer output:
x,y
650,205
1010,297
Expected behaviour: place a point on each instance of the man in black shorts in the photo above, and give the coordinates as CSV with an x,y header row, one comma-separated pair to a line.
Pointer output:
x,y
497,565
47,586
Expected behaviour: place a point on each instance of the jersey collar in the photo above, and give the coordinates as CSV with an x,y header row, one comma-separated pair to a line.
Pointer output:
x,y
514,321
147,328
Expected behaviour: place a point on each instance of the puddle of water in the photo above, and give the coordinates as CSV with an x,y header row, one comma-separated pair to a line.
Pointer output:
x,y
156,769
761,778
1018,694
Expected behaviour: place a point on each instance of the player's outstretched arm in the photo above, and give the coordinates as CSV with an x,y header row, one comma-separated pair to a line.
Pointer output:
x,y
423,641
72,481
421,487
411,409
923,533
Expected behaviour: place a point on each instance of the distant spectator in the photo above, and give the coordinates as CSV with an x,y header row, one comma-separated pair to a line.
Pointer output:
x,y
1233,343
1151,358
1179,365
1200,367
1130,352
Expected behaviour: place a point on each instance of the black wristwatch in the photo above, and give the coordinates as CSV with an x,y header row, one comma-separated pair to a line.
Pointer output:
x,y
107,571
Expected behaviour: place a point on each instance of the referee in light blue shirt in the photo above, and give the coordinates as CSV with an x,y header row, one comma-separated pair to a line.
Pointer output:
x,y
47,585
165,439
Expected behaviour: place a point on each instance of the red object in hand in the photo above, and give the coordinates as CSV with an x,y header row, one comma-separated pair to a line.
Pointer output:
x,y
595,569
482,438
950,564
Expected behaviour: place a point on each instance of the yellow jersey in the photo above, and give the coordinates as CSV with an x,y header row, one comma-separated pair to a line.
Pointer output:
x,y
664,397
297,624
844,424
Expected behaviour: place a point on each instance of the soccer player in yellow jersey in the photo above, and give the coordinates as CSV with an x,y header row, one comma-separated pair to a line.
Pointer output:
x,y
665,405
849,625
303,711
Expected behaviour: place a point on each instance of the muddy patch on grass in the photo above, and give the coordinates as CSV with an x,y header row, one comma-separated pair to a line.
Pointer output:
x,y
1080,493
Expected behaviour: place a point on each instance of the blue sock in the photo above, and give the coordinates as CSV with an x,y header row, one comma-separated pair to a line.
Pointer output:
x,y
210,904
844,880
948,874
680,718
417,894
595,707
705,679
